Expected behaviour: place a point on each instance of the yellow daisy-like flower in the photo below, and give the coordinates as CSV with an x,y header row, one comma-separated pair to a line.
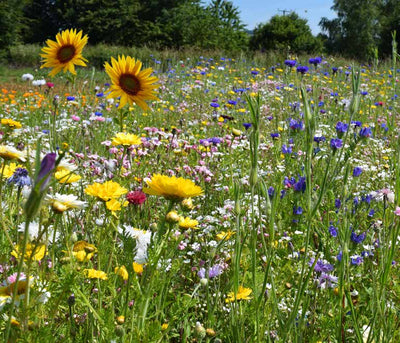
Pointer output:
x,y
242,294
122,272
34,251
130,83
106,191
137,268
187,223
65,53
6,292
172,187
12,124
10,169
65,176
95,274
10,153
83,251
225,235
126,139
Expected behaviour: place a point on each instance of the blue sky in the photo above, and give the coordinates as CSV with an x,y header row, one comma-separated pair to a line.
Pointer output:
x,y
254,12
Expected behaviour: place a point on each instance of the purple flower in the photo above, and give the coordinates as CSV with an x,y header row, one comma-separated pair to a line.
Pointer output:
x,y
333,231
336,143
302,69
365,132
338,203
320,266
300,186
286,149
290,63
46,167
274,135
319,139
357,238
357,171
341,127
20,178
296,125
271,191
247,125
356,260
297,210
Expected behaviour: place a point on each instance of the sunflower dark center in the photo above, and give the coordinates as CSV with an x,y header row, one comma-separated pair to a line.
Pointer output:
x,y
129,83
66,53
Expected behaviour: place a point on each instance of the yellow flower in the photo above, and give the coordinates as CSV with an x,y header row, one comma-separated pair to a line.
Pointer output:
x,y
12,124
34,251
129,83
106,191
242,294
95,274
172,187
187,223
65,176
10,169
10,153
137,268
122,272
65,53
172,217
6,292
164,327
126,139
236,132
225,235
83,251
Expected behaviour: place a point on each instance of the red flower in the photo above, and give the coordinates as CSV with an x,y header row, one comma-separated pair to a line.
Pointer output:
x,y
136,197
50,84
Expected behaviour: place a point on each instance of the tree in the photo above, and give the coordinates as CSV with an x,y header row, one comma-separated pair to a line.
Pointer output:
x,y
355,32
287,32
10,16
390,21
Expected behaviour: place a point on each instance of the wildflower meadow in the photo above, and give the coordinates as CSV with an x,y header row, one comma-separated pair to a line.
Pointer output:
x,y
201,200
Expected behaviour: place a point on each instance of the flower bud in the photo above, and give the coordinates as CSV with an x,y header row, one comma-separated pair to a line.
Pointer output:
x,y
200,330
187,204
172,217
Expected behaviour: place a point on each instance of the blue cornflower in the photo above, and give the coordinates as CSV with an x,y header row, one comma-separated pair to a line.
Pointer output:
x,y
247,125
300,186
338,203
320,266
254,72
365,132
214,104
98,114
271,191
232,102
364,93
319,139
341,128
356,260
100,95
286,149
357,171
334,70
20,177
336,143
274,135
290,63
333,231
296,125
297,210
357,238
356,123
302,69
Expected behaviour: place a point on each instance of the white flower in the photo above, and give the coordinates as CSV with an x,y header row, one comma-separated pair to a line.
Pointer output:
x,y
142,238
38,82
27,77
64,202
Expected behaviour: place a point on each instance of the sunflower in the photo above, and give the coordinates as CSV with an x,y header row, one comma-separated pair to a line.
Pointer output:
x,y
129,83
65,53
172,187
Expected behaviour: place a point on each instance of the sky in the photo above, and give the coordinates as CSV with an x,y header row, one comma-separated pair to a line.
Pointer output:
x,y
254,12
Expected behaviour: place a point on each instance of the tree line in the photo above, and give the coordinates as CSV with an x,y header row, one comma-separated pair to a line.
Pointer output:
x,y
362,29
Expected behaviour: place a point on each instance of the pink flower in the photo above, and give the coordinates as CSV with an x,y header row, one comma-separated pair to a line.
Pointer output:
x,y
397,211
136,197
76,118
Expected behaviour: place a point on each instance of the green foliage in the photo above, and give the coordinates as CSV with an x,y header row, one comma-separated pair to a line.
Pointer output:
x,y
361,27
10,13
289,33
